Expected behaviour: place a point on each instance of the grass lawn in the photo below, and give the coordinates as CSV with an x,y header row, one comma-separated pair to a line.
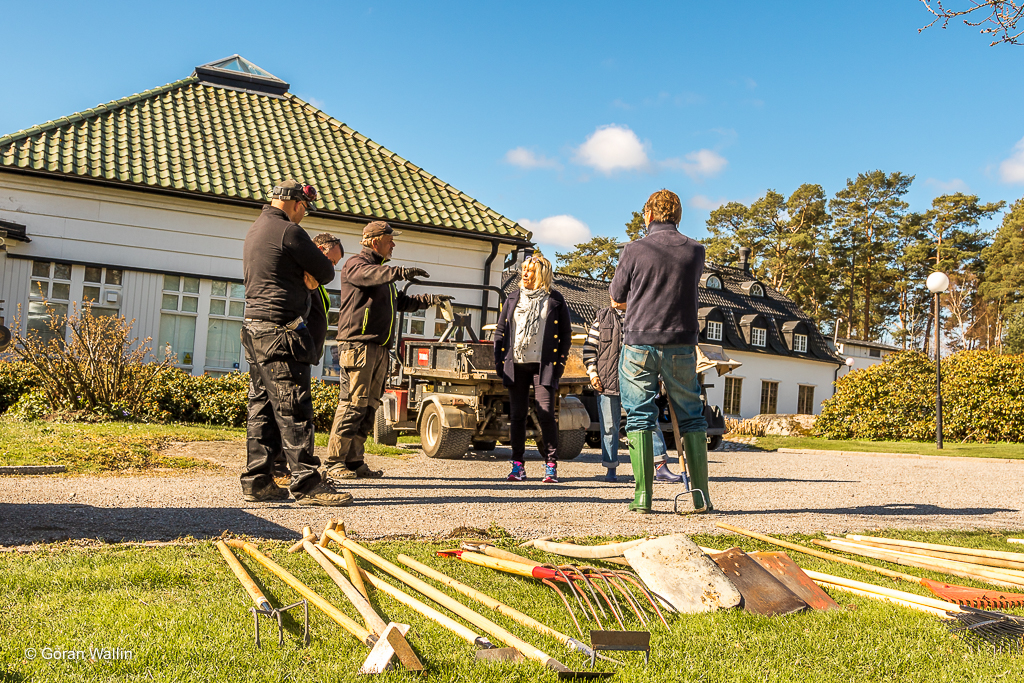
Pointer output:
x,y
184,617
973,450
119,446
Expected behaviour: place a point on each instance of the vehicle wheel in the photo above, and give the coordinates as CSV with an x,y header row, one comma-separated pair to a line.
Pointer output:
x,y
714,441
383,434
594,439
570,443
484,445
439,441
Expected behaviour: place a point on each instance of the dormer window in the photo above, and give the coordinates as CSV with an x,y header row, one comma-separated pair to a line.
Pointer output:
x,y
753,288
795,333
800,343
758,336
711,281
714,330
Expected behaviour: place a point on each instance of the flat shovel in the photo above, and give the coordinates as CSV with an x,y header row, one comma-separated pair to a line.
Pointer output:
x,y
680,574
782,567
762,593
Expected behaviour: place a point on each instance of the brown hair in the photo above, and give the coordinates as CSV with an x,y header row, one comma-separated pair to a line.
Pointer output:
x,y
665,207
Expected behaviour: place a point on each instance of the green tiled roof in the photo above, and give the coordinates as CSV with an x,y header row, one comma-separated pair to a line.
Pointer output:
x,y
218,142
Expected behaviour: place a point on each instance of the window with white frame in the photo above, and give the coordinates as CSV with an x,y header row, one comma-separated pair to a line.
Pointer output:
x,y
713,282
179,308
101,289
805,400
756,290
731,400
415,323
769,397
758,336
440,324
331,367
800,343
48,297
223,336
714,330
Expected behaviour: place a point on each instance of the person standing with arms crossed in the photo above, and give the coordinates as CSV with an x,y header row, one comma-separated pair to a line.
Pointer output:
x,y
280,350
656,283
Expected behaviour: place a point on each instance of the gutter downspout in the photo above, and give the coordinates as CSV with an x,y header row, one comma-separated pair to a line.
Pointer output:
x,y
485,296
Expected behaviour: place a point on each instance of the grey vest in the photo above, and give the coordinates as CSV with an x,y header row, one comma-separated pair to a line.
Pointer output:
x,y
608,350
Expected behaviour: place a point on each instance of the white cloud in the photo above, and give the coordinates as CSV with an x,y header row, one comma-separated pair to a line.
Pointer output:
x,y
945,186
704,163
560,231
1012,169
699,201
613,148
527,158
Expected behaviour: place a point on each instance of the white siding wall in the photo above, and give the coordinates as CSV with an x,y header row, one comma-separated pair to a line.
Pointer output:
x,y
790,373
136,231
14,278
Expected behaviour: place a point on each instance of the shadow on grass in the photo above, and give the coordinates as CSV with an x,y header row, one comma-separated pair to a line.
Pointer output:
x,y
896,509
47,522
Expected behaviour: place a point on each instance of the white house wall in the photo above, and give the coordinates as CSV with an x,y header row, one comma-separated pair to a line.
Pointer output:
x,y
148,235
790,373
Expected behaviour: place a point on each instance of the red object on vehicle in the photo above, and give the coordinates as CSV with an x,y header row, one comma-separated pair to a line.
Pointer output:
x,y
422,356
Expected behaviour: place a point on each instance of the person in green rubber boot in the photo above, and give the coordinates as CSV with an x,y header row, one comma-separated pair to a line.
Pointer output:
x,y
656,284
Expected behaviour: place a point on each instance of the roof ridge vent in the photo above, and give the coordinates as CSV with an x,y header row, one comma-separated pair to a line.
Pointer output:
x,y
238,72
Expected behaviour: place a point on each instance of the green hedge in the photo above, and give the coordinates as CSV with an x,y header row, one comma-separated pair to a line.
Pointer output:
x,y
180,397
982,399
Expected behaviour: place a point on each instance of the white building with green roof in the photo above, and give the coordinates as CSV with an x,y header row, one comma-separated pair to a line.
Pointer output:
x,y
141,205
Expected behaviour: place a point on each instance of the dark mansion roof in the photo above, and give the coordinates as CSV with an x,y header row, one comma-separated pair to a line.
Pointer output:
x,y
734,304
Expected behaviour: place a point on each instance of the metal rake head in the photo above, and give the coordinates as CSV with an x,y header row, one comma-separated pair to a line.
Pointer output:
x,y
981,629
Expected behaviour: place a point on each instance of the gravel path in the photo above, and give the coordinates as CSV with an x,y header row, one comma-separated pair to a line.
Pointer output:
x,y
766,491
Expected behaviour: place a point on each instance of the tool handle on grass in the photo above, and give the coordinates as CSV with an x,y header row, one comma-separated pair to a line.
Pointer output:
x,y
817,553
351,566
305,591
362,605
243,577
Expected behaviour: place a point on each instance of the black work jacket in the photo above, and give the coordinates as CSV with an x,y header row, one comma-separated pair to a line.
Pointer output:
x,y
554,351
275,258
370,300
609,349
316,321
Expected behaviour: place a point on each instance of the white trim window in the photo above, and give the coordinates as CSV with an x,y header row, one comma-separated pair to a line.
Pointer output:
x,y
714,330
415,323
713,282
50,287
223,336
756,290
179,309
758,336
800,343
101,288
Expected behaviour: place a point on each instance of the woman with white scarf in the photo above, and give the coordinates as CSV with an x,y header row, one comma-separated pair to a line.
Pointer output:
x,y
531,344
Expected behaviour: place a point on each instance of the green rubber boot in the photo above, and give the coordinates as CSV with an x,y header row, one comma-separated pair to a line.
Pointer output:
x,y
641,455
695,445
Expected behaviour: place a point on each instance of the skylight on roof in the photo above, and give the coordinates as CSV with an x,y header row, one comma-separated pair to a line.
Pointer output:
x,y
241,65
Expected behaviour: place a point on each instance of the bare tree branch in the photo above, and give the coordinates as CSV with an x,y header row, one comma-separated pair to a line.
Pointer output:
x,y
1002,15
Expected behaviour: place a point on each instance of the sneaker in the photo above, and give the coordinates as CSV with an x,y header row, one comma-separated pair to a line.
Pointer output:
x,y
269,492
518,472
550,473
610,476
324,494
663,473
361,472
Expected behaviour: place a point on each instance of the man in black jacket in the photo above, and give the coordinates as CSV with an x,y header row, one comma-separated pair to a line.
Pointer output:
x,y
656,283
366,327
280,349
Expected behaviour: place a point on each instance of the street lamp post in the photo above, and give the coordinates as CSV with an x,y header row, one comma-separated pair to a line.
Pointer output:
x,y
938,283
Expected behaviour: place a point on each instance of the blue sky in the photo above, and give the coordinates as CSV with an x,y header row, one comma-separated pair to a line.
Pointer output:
x,y
566,116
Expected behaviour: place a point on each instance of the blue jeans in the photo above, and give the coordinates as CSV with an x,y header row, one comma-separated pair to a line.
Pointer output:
x,y
639,369
609,413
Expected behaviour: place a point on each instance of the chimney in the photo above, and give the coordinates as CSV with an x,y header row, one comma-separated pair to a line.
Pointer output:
x,y
744,263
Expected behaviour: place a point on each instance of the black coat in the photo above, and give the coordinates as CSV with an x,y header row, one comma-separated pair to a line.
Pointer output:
x,y
557,338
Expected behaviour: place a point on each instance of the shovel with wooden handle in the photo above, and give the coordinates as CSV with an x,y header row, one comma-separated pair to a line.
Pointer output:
x,y
263,606
391,636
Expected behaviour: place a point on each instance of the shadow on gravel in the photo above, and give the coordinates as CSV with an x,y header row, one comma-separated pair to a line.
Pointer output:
x,y
42,523
766,480
896,509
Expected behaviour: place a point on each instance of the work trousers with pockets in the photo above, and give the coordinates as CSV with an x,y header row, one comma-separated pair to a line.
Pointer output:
x,y
609,413
280,408
364,368
528,375
639,368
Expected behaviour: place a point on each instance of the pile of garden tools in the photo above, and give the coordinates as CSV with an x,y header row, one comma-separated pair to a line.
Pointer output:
x,y
626,590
